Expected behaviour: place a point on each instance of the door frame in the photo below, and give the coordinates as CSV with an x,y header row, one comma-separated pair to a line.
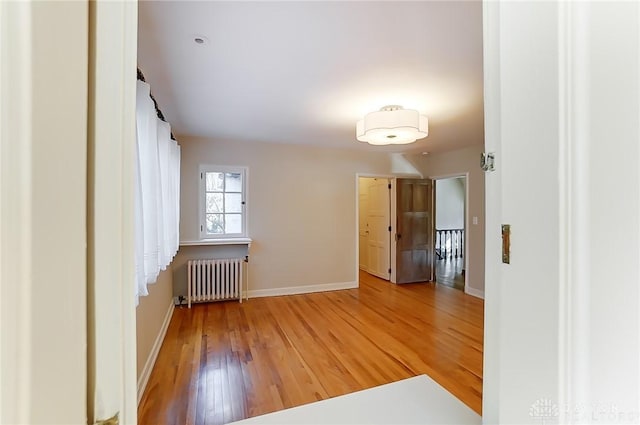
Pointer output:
x,y
392,219
587,365
466,222
112,374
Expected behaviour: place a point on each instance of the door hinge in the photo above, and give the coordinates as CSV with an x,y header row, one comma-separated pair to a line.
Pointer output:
x,y
488,161
201,176
115,420
389,271
389,186
389,228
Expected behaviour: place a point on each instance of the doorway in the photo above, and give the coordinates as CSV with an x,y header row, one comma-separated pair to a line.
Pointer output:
x,y
374,226
395,228
414,233
449,231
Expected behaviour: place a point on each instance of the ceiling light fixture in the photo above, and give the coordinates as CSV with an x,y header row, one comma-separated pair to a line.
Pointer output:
x,y
392,125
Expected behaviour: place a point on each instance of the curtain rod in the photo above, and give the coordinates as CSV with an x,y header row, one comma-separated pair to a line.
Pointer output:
x,y
155,103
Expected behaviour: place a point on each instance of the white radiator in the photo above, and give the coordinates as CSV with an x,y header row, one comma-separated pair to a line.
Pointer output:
x,y
215,279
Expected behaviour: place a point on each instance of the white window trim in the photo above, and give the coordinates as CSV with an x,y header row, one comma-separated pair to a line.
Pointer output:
x,y
204,168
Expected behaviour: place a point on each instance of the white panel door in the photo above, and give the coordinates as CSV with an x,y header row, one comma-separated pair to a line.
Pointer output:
x,y
363,231
378,220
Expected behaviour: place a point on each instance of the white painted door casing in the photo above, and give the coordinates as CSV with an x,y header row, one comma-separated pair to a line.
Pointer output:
x,y
562,106
112,141
65,215
363,233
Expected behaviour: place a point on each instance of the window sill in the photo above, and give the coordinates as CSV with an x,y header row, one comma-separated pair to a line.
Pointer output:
x,y
227,241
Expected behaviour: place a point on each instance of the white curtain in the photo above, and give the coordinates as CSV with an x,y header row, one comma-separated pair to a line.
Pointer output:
x,y
157,192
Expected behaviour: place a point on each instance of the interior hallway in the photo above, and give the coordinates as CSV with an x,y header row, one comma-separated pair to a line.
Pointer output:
x,y
449,272
225,361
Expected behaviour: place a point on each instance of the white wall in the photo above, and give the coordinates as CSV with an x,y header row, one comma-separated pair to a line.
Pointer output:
x,y
450,194
43,212
301,208
562,321
611,120
59,212
461,162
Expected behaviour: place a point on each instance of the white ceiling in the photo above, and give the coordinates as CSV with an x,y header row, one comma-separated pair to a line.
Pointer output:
x,y
305,71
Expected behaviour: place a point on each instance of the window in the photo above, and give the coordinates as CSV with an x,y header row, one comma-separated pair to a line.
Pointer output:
x,y
222,204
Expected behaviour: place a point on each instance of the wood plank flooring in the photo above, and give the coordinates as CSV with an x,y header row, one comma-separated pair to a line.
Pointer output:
x,y
449,272
222,362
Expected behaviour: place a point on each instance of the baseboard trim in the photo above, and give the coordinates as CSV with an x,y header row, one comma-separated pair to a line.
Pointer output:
x,y
474,292
296,290
153,355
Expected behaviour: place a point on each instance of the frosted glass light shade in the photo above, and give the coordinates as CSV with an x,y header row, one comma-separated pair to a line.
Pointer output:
x,y
392,125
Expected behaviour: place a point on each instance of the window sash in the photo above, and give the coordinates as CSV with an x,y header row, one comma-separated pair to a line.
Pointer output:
x,y
229,212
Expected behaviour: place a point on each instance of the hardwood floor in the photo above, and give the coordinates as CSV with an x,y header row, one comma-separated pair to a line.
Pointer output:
x,y
449,272
222,362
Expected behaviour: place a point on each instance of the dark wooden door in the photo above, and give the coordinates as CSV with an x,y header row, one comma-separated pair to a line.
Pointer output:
x,y
414,259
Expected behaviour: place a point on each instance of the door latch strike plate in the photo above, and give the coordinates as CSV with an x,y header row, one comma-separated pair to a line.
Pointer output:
x,y
115,420
506,243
